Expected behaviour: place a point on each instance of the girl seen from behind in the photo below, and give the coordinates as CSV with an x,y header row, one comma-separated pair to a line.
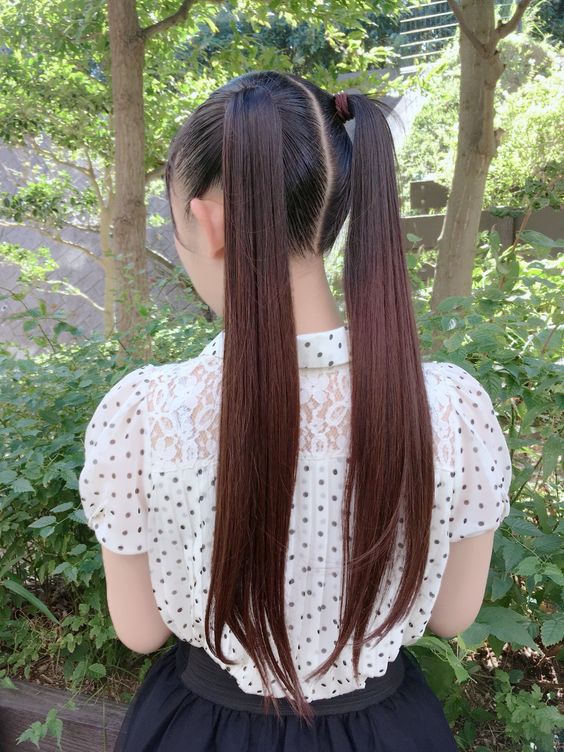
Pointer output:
x,y
300,501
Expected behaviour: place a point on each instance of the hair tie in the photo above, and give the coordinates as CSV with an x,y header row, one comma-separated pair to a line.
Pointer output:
x,y
342,105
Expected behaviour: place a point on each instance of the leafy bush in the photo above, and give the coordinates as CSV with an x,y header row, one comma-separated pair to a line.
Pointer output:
x,y
508,334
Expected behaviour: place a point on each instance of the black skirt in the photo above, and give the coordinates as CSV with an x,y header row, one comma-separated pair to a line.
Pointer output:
x,y
188,703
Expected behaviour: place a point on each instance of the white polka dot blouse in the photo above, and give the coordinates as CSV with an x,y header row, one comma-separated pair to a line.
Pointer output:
x,y
147,485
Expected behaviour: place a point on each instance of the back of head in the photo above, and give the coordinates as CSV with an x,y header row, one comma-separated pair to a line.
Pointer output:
x,y
278,111
277,147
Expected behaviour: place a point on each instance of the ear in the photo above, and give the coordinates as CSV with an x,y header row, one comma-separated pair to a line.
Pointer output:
x,y
209,215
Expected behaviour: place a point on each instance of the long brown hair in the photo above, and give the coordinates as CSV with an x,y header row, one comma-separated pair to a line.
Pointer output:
x,y
276,147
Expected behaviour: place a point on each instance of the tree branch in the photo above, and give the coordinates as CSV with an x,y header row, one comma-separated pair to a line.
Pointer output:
x,y
56,236
83,228
83,249
169,265
160,259
70,290
166,23
155,173
48,155
503,29
94,180
479,46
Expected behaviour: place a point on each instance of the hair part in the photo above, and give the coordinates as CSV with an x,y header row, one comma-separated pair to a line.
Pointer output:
x,y
276,147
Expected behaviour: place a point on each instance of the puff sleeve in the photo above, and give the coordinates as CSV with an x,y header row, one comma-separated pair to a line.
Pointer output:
x,y
114,481
480,466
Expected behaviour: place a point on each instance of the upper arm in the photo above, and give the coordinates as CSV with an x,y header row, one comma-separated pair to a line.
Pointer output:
x,y
463,585
131,602
115,489
474,496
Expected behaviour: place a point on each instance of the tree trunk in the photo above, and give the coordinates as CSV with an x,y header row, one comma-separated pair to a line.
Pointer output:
x,y
129,213
110,271
477,145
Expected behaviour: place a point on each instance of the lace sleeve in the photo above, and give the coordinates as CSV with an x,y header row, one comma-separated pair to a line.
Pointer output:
x,y
480,463
114,481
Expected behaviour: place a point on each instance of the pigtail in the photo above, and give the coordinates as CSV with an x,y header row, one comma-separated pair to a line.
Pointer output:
x,y
390,467
259,423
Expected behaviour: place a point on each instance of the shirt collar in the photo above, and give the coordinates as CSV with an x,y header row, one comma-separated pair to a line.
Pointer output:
x,y
315,349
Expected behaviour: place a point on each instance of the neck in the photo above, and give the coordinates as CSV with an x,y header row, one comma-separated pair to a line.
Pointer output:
x,y
315,308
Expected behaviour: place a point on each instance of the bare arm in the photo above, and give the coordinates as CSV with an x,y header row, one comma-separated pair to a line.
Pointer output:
x,y
463,585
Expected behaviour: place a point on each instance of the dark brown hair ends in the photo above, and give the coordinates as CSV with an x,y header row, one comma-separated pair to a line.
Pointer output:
x,y
287,193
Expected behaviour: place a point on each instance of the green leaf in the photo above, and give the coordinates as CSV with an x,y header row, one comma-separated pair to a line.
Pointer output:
x,y
530,565
443,650
554,572
507,625
79,671
551,453
474,636
552,630
60,568
7,476
63,507
499,586
522,526
513,552
538,240
22,485
24,593
97,670
43,521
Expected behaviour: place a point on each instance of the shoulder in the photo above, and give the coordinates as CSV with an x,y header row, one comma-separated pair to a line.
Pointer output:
x,y
135,382
452,384
460,406
451,375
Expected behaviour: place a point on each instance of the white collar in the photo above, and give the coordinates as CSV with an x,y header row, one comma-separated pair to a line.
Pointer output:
x,y
315,349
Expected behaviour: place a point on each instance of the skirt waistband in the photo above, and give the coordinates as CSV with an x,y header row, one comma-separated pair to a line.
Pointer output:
x,y
201,674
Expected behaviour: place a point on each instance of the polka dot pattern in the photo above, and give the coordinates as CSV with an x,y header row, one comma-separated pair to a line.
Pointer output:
x,y
114,483
316,350
480,466
148,484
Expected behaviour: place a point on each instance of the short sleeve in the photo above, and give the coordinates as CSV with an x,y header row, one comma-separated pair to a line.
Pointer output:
x,y
480,467
114,482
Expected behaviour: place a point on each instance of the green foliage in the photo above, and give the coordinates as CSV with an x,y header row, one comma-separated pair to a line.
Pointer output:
x,y
533,144
526,716
34,266
47,199
52,726
529,109
508,334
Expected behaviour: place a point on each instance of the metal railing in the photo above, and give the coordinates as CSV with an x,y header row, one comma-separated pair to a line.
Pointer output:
x,y
426,28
